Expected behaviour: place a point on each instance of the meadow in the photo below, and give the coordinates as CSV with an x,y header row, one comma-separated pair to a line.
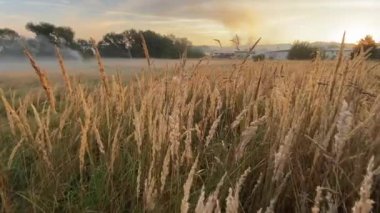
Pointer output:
x,y
268,136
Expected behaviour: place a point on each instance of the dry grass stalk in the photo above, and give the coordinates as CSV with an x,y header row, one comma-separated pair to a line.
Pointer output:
x,y
200,204
139,127
43,80
249,53
65,76
188,153
85,128
212,130
157,112
138,181
211,201
150,191
344,125
232,201
187,186
364,204
65,116
165,169
239,118
102,72
41,146
138,118
45,135
246,136
98,138
175,134
258,183
146,50
114,148
317,200
10,113
370,118
279,189
14,151
332,205
335,73
14,120
282,156
183,59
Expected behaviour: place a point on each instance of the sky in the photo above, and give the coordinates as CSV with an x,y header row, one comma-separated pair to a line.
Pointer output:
x,y
201,21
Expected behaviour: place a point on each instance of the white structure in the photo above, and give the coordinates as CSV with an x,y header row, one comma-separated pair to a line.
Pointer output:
x,y
332,53
223,54
243,54
277,55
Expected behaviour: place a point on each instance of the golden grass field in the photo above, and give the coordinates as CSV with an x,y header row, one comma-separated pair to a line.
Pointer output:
x,y
265,136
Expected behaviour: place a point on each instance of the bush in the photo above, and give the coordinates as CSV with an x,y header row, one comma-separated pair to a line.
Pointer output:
x,y
302,51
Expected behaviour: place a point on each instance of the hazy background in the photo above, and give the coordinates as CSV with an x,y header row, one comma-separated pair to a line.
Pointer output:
x,y
13,65
277,21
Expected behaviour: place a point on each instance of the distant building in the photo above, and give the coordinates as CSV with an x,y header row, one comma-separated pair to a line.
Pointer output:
x,y
223,54
332,53
277,55
233,54
243,54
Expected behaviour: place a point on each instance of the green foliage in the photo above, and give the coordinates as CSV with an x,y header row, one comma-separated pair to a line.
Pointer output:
x,y
195,52
56,35
302,51
367,44
129,44
8,34
259,57
85,48
9,41
48,35
114,45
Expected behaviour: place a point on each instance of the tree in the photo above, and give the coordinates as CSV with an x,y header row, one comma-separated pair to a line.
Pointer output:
x,y
195,52
85,48
55,35
42,29
301,51
48,35
125,44
366,44
7,34
128,44
9,42
259,57
134,42
65,34
115,45
159,46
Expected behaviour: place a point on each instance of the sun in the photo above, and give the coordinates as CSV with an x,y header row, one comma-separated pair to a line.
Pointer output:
x,y
356,32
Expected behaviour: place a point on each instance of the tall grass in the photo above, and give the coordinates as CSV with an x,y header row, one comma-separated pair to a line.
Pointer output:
x,y
267,137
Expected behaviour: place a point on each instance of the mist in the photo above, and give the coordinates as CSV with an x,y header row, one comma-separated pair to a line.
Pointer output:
x,y
40,47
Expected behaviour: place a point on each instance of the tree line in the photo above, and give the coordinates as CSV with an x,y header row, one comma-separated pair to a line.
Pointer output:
x,y
127,44
302,50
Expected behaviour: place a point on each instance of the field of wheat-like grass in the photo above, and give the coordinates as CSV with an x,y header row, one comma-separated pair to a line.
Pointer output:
x,y
251,137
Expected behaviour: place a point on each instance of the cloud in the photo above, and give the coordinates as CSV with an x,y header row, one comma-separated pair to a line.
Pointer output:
x,y
234,16
61,3
200,20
